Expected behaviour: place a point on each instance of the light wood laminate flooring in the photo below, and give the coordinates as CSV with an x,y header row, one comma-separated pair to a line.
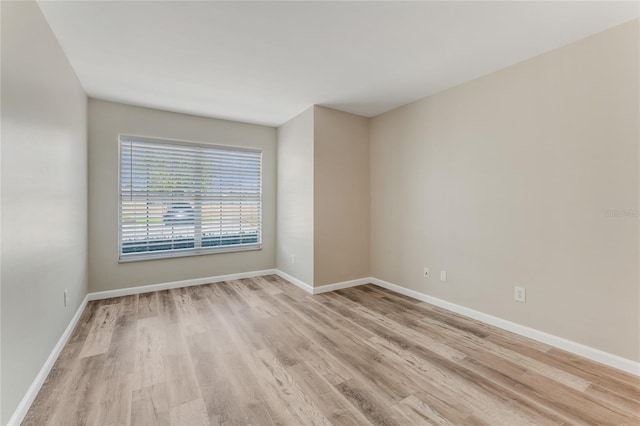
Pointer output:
x,y
261,351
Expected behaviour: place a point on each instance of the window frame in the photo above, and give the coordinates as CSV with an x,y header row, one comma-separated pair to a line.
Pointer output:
x,y
187,252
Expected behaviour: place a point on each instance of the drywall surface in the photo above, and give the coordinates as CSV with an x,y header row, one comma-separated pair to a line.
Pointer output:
x,y
341,196
525,177
107,120
44,197
295,197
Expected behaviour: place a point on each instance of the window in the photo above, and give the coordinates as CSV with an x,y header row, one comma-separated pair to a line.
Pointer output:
x,y
179,199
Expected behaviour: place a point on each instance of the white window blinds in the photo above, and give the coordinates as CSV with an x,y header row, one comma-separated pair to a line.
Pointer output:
x,y
184,199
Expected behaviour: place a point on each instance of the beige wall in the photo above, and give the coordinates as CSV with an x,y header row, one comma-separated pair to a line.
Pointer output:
x,y
44,197
323,197
505,181
106,121
295,197
341,196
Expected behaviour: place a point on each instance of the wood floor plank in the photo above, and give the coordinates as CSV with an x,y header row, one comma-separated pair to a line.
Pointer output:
x,y
457,382
445,396
238,330
440,348
150,368
261,351
121,360
350,348
115,402
311,350
147,305
614,382
425,351
167,307
420,413
594,368
511,388
330,401
212,363
182,386
622,403
87,319
190,413
475,343
276,379
79,401
150,406
472,344
187,312
250,292
225,377
99,336
592,411
267,285
369,404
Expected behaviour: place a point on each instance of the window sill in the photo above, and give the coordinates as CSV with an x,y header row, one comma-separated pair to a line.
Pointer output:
x,y
127,258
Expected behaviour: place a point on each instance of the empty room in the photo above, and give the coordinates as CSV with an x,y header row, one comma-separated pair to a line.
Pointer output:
x,y
319,213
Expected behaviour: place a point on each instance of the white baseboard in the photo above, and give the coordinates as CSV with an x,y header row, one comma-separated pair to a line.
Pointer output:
x,y
293,280
99,295
177,284
324,288
594,354
338,286
32,392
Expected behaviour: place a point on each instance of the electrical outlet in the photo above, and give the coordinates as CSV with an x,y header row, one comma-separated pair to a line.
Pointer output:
x,y
520,294
426,272
443,276
293,259
65,295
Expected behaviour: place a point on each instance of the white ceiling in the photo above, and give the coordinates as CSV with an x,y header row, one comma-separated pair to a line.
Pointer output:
x,y
264,62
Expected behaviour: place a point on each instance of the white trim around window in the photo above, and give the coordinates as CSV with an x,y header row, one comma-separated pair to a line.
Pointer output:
x,y
185,199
